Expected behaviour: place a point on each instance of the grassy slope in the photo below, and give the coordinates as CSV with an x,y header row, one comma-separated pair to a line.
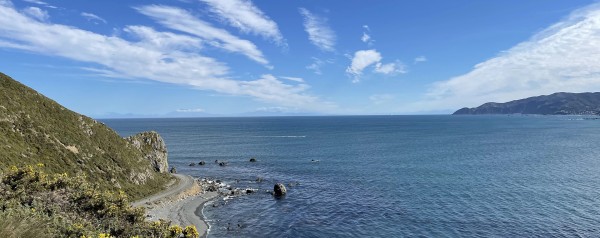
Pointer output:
x,y
35,129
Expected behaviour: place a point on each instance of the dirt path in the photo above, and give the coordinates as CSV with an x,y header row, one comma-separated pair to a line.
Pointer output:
x,y
181,203
183,183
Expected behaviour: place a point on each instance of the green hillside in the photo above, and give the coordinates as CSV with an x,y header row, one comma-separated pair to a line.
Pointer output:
x,y
36,130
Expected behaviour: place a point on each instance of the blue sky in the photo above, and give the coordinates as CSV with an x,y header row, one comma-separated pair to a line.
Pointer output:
x,y
241,57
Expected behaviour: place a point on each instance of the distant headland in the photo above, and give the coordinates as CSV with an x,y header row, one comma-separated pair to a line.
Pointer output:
x,y
554,104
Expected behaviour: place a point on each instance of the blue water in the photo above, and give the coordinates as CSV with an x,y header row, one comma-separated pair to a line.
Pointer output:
x,y
395,176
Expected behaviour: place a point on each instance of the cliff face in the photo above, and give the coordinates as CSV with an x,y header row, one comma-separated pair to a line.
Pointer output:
x,y
153,149
36,130
554,104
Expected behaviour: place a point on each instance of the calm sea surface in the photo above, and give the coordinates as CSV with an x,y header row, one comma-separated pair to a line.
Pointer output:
x,y
394,176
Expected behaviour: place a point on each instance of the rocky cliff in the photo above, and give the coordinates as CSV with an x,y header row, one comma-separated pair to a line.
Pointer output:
x,y
35,130
553,104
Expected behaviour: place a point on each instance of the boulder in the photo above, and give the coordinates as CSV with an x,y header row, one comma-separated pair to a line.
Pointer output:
x,y
252,159
153,148
279,189
201,162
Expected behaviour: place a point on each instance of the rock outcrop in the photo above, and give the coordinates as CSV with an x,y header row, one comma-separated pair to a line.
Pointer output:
x,y
153,148
279,189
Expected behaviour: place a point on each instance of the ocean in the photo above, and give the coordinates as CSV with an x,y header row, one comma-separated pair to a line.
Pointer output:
x,y
394,176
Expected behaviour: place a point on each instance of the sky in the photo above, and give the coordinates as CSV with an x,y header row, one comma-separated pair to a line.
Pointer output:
x,y
149,58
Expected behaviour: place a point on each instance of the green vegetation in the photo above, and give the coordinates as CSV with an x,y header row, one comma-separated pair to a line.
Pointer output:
x,y
34,129
36,204
66,175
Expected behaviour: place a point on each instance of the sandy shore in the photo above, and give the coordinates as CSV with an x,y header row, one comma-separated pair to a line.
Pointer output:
x,y
181,203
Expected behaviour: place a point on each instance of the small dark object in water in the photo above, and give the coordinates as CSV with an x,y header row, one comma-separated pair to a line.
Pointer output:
x,y
315,161
249,191
173,170
279,189
192,164
216,161
253,159
201,162
259,180
223,163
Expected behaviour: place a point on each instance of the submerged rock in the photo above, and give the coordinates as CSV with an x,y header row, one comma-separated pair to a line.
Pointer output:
x,y
201,162
223,163
252,159
192,164
279,189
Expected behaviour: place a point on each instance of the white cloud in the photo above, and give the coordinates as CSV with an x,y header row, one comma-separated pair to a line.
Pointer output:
x,y
36,2
190,110
181,20
6,3
381,98
45,4
362,59
564,58
317,64
163,40
365,37
318,31
36,13
157,56
365,58
420,59
243,15
92,17
390,68
295,79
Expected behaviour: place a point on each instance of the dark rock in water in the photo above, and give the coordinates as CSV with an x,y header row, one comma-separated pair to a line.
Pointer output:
x,y
192,164
279,189
217,181
201,162
315,161
249,191
223,163
173,170
252,159
216,161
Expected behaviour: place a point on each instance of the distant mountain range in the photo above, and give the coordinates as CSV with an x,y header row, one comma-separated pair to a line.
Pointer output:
x,y
553,104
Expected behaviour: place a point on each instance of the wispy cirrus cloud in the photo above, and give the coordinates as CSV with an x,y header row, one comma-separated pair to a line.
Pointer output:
x,y
365,58
562,58
37,13
244,15
38,2
157,56
182,20
92,17
319,33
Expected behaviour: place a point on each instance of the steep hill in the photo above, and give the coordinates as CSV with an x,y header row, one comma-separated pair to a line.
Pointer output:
x,y
36,130
553,104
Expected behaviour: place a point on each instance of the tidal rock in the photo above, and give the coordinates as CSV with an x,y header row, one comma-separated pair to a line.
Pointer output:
x,y
279,189
153,148
173,170
252,159
201,162
192,164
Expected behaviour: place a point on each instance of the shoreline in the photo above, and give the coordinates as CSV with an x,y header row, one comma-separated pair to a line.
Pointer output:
x,y
179,203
